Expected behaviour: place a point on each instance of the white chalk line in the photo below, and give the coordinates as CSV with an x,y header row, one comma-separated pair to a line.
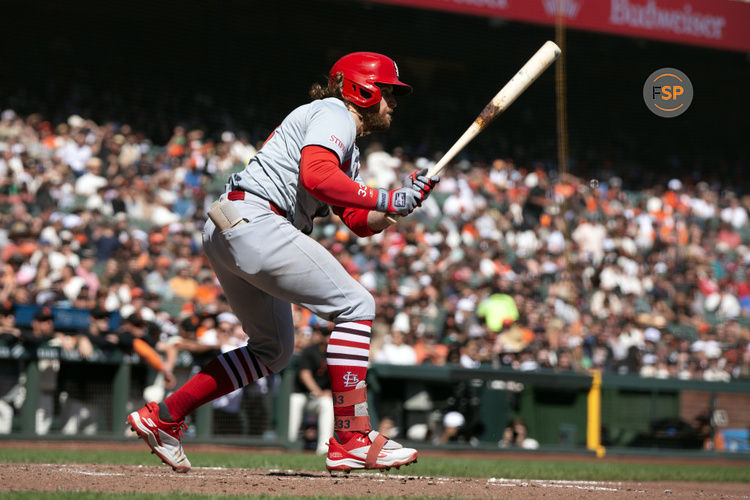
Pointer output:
x,y
561,483
555,483
72,469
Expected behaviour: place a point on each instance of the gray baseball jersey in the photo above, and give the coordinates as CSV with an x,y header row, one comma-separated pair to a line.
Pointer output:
x,y
273,173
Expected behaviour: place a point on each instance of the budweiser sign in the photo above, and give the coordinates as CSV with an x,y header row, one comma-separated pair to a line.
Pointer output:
x,y
723,24
684,21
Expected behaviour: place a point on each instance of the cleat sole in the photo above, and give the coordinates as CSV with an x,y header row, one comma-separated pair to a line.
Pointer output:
x,y
347,467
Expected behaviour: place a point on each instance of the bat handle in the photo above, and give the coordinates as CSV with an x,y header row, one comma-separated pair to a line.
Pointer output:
x,y
393,218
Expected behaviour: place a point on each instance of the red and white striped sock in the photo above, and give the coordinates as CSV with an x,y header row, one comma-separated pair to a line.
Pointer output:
x,y
347,356
223,374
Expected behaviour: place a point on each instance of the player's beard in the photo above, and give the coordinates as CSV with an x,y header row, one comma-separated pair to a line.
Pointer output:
x,y
373,121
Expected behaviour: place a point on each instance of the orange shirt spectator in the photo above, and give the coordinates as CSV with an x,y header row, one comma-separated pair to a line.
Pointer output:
x,y
207,292
183,285
429,351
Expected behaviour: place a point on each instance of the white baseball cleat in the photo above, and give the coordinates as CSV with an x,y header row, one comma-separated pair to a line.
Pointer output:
x,y
368,451
164,438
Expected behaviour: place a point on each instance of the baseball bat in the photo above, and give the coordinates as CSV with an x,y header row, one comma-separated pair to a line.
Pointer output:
x,y
530,71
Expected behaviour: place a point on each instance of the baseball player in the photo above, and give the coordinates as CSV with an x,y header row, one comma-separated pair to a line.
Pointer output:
x,y
257,243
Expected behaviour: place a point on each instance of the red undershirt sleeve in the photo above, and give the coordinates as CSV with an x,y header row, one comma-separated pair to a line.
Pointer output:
x,y
320,174
355,219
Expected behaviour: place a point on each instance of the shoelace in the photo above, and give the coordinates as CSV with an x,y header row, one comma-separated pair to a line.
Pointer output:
x,y
179,427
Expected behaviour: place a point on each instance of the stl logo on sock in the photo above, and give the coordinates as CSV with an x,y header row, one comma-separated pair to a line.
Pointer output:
x,y
350,379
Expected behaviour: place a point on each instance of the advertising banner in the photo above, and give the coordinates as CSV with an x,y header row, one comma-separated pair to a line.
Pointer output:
x,y
723,24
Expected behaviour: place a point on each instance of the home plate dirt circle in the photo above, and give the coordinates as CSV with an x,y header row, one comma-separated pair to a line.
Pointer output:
x,y
225,481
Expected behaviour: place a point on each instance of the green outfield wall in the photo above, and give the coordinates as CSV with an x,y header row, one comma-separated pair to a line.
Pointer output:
x,y
636,412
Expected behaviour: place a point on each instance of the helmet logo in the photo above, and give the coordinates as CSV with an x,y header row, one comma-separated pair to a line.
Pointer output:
x,y
395,66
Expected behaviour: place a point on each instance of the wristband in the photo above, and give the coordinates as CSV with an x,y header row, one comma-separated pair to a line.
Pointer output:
x,y
382,204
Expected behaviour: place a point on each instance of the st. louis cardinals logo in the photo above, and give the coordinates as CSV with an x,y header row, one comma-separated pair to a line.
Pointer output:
x,y
350,379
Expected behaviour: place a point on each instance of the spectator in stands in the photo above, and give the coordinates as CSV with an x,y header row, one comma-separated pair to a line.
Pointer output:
x,y
734,213
66,255
89,183
672,257
453,422
42,332
201,350
9,372
429,351
76,152
227,408
396,350
473,353
157,280
499,310
137,335
516,435
312,389
9,332
207,291
99,333
183,285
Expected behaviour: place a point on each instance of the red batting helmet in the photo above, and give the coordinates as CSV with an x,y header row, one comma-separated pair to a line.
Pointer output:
x,y
362,71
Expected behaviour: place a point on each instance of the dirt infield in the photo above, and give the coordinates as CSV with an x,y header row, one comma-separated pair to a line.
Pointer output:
x,y
220,481
225,481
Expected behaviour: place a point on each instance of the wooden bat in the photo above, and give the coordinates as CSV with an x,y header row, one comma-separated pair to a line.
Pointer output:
x,y
530,71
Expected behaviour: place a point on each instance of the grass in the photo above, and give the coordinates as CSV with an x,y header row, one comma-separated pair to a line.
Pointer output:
x,y
431,466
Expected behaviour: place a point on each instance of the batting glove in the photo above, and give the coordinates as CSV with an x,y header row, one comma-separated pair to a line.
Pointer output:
x,y
400,201
418,180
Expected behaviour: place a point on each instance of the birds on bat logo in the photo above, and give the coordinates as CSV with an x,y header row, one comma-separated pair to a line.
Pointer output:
x,y
350,379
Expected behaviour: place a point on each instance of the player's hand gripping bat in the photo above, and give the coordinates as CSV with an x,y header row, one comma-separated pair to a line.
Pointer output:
x,y
530,71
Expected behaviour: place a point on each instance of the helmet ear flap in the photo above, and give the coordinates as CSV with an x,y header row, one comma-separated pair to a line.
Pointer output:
x,y
361,95
365,94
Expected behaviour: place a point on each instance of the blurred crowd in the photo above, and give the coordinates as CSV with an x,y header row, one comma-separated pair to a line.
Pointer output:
x,y
506,265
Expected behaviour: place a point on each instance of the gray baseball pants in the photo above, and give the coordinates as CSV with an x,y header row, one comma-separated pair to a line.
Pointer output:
x,y
265,265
